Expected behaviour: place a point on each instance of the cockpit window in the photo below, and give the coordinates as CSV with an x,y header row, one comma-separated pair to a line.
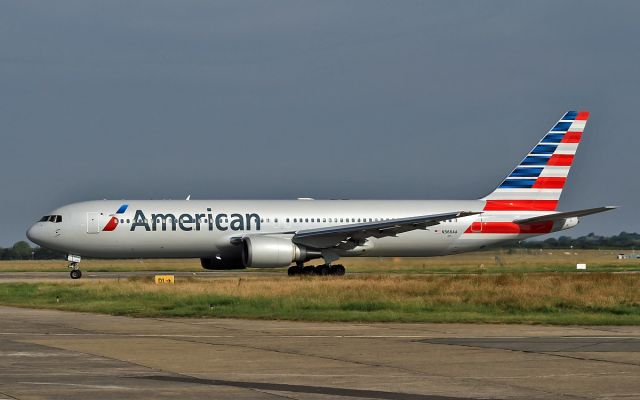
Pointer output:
x,y
51,218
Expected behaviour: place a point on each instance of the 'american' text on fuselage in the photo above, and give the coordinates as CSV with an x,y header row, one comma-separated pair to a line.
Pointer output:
x,y
197,222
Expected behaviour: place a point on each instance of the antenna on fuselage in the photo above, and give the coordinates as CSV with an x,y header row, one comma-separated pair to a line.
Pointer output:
x,y
188,197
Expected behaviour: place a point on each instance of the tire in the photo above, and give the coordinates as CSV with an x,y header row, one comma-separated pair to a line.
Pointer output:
x,y
294,271
323,270
338,270
75,274
308,270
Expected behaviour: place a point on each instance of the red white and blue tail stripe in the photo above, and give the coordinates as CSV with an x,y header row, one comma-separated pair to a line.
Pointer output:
x,y
537,182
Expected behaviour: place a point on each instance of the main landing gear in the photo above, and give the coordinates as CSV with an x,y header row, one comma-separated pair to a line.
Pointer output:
x,y
322,270
73,264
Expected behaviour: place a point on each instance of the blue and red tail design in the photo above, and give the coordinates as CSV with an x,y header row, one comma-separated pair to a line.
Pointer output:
x,y
537,182
113,222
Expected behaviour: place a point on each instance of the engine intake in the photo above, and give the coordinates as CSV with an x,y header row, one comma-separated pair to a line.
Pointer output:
x,y
273,252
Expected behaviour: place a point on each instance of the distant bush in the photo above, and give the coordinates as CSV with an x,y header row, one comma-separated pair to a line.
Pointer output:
x,y
23,251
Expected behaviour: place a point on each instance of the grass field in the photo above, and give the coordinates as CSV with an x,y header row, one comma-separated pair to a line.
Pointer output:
x,y
493,286
550,298
488,261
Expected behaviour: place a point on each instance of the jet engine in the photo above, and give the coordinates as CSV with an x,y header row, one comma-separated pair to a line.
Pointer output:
x,y
272,252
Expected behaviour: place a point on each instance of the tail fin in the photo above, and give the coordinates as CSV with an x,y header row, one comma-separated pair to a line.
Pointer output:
x,y
537,182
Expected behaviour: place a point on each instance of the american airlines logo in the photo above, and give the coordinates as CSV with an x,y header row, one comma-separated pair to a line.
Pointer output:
x,y
113,222
186,222
195,222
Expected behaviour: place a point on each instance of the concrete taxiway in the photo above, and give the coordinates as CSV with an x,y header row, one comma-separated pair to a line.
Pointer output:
x,y
66,355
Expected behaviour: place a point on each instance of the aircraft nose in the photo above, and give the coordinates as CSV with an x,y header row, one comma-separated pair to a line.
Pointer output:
x,y
35,233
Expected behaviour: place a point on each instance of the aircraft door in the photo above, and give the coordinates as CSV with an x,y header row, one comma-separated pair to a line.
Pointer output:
x,y
93,222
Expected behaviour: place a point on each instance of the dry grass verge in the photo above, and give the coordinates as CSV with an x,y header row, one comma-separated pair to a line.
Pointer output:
x,y
589,298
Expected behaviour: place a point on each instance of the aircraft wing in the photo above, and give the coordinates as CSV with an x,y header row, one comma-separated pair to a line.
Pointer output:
x,y
349,236
563,215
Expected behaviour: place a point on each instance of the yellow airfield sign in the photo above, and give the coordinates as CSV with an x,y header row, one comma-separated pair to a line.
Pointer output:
x,y
160,279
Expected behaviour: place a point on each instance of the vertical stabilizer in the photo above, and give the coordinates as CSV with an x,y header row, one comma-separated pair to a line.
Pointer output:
x,y
537,182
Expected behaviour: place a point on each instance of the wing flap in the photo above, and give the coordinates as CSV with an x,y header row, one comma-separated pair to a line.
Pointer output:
x,y
353,235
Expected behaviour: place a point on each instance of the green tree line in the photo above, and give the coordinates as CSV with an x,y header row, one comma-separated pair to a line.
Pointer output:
x,y
23,251
624,240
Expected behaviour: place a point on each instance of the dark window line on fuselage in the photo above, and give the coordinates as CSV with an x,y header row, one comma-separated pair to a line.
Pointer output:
x,y
329,220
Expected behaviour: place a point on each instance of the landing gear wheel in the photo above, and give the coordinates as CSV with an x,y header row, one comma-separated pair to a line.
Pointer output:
x,y
337,270
75,274
308,270
323,270
294,271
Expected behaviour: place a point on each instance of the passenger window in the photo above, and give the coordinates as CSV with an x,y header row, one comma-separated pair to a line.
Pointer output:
x,y
287,220
341,220
122,221
128,220
295,220
275,220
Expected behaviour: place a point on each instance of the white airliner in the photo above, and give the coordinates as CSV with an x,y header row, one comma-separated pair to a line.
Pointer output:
x,y
278,233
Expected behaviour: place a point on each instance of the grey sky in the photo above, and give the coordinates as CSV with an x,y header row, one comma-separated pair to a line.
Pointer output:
x,y
326,99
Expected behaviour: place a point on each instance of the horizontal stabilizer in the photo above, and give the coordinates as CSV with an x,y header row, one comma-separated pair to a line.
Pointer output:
x,y
563,215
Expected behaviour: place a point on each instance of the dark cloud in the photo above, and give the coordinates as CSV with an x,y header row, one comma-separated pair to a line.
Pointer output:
x,y
280,99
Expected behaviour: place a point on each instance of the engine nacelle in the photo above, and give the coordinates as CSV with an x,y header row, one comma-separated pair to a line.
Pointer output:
x,y
570,223
223,262
273,252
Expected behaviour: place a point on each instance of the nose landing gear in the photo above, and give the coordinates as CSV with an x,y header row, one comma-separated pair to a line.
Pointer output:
x,y
73,264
